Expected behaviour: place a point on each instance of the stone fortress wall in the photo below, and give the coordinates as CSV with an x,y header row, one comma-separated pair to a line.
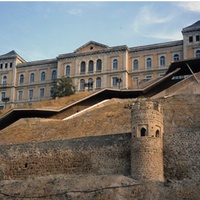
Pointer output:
x,y
173,155
91,155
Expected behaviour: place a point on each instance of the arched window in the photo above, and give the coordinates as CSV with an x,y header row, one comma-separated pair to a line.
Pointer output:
x,y
198,54
82,84
43,76
21,79
157,133
149,63
90,84
143,132
4,80
98,82
53,75
68,70
162,61
91,66
82,67
135,65
32,78
115,64
176,57
99,65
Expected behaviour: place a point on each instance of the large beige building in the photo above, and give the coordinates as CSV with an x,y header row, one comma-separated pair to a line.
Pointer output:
x,y
93,66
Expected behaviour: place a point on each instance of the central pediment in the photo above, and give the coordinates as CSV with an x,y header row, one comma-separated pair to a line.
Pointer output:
x,y
91,47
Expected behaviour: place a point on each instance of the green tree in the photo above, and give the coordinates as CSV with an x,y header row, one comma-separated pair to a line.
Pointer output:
x,y
62,87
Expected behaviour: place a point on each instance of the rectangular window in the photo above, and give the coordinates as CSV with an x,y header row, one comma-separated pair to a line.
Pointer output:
x,y
3,95
41,93
6,65
30,94
114,81
20,95
197,38
148,77
1,66
10,65
191,39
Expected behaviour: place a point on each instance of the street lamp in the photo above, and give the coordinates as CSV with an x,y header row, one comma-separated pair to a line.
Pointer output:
x,y
89,85
119,80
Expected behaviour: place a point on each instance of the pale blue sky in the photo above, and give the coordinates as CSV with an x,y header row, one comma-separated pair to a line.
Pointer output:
x,y
43,30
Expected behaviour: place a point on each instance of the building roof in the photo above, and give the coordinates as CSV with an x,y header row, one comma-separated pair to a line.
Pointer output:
x,y
11,54
193,27
93,43
156,46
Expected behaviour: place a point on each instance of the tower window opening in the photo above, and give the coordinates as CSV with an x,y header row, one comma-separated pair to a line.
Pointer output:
x,y
143,132
157,133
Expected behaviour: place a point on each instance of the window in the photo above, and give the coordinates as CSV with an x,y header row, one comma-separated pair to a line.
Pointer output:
x,y
20,95
114,81
197,38
162,61
148,77
21,79
43,76
6,65
191,39
135,65
115,64
99,65
82,67
53,75
91,66
41,93
143,132
1,66
30,95
176,57
198,54
4,80
148,63
136,81
98,82
82,84
90,84
32,78
157,133
10,65
68,70
3,95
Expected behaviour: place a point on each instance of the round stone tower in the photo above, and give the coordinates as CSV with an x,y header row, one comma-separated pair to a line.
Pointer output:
x,y
146,141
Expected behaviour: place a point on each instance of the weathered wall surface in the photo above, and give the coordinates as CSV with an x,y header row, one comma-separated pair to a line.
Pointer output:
x,y
93,155
181,142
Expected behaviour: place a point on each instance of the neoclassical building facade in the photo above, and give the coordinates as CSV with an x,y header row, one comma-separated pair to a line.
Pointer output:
x,y
93,66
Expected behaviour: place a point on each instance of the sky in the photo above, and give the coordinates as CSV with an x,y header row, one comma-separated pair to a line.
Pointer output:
x,y
43,30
